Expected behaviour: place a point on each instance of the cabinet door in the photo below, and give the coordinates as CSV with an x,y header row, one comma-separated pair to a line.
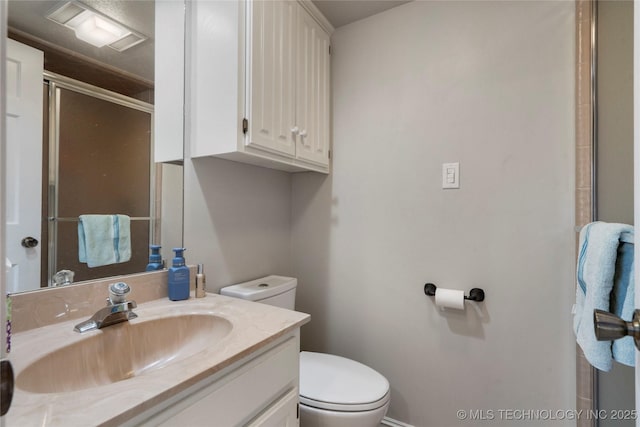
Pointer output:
x,y
283,413
312,116
262,392
271,94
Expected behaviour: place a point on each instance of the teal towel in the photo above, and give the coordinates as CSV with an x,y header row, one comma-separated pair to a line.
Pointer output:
x,y
623,302
104,239
599,267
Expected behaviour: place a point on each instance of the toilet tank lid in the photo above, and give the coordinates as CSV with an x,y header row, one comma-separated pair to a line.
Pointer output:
x,y
333,379
259,289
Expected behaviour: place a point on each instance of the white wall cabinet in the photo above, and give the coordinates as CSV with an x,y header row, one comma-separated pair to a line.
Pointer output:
x,y
312,107
271,73
259,83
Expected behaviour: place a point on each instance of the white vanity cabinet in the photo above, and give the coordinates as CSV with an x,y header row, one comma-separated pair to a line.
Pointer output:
x,y
259,83
214,361
258,391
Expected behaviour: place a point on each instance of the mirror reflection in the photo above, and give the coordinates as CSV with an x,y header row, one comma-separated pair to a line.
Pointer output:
x,y
85,196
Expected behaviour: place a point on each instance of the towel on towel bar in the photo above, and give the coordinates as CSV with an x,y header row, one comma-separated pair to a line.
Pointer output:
x,y
623,302
104,239
603,261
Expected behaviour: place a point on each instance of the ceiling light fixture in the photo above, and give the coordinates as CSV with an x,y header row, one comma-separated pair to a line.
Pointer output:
x,y
96,30
94,27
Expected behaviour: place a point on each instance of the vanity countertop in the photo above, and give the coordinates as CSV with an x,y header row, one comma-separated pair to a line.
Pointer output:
x,y
254,326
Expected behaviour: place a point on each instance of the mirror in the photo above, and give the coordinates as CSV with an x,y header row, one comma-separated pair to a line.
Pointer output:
x,y
107,132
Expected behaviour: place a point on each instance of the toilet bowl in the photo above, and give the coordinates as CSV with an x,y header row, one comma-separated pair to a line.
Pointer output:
x,y
340,392
334,391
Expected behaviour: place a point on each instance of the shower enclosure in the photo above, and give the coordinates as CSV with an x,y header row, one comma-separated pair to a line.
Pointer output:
x,y
604,167
100,161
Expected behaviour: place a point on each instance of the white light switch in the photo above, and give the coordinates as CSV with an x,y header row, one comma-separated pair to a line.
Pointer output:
x,y
451,175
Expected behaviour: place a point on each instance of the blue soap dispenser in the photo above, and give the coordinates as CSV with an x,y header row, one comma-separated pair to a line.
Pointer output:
x,y
155,259
178,277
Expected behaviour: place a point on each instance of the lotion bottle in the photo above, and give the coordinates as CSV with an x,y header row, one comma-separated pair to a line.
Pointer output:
x,y
178,277
201,290
155,259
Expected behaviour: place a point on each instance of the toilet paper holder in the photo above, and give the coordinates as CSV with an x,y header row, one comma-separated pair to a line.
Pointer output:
x,y
475,294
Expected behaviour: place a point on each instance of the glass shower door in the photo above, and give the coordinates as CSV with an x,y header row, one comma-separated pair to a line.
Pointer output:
x,y
103,165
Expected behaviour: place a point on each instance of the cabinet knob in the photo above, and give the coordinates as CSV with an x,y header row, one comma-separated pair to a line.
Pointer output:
x,y
303,133
295,130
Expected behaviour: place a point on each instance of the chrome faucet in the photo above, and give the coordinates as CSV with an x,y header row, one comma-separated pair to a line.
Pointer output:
x,y
118,310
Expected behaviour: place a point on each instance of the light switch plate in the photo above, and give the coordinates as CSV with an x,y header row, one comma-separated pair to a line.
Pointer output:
x,y
451,175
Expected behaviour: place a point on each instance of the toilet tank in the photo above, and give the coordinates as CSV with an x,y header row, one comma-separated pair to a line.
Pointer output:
x,y
273,290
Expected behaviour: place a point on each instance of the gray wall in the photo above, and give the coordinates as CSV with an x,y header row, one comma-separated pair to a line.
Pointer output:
x,y
615,161
237,220
488,84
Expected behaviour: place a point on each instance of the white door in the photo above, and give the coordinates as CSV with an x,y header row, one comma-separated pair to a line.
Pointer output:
x,y
23,165
312,112
272,76
4,358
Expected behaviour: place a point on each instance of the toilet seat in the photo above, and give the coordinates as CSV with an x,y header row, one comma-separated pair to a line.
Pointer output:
x,y
339,384
343,407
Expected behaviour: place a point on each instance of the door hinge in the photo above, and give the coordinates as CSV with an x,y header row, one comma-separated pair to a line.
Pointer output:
x,y
245,126
329,49
298,410
329,154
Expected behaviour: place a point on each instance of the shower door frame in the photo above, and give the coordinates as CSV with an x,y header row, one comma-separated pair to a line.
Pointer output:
x,y
55,82
585,197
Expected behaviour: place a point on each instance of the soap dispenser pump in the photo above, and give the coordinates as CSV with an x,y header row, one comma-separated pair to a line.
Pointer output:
x,y
155,259
178,277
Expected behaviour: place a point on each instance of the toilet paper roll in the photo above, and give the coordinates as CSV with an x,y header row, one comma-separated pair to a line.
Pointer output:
x,y
450,298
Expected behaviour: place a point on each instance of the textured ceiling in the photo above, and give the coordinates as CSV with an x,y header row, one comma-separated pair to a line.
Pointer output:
x,y
29,17
343,12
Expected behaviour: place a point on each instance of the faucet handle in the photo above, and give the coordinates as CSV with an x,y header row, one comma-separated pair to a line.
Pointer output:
x,y
118,292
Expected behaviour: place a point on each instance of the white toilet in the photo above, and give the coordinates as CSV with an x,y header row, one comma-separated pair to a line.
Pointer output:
x,y
334,391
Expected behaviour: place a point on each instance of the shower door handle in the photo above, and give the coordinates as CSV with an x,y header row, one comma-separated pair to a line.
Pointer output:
x,y
610,327
29,242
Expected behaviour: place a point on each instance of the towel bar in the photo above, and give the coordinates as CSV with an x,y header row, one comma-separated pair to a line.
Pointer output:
x,y
475,294
625,237
133,218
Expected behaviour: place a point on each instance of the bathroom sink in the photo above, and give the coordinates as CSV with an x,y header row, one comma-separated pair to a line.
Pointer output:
x,y
122,351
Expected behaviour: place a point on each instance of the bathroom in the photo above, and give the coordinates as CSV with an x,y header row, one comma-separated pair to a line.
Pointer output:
x,y
486,84
490,85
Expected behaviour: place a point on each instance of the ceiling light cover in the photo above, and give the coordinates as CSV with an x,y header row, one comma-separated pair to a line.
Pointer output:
x,y
95,28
